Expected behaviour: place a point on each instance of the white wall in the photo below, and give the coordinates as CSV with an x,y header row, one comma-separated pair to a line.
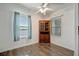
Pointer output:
x,y
6,27
67,38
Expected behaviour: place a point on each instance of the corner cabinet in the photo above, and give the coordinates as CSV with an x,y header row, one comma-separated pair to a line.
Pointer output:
x,y
44,31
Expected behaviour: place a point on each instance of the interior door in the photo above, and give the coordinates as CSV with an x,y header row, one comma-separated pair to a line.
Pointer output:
x,y
44,31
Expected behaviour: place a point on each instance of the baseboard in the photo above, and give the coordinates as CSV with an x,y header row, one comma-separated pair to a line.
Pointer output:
x,y
62,46
18,47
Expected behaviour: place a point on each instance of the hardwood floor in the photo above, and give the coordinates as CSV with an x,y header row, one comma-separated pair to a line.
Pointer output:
x,y
39,50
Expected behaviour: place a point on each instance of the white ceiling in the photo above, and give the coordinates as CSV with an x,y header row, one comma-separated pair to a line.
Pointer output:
x,y
32,6
54,6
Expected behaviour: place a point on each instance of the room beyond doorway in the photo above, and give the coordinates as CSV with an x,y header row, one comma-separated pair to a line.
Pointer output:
x,y
44,31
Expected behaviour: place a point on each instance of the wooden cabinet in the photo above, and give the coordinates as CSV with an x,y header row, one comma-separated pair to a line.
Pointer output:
x,y
44,31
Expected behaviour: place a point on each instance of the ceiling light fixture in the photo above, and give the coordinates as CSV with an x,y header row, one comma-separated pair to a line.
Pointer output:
x,y
43,9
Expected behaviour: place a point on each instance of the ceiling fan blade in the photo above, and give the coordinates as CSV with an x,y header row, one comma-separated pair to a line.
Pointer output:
x,y
37,12
49,9
45,4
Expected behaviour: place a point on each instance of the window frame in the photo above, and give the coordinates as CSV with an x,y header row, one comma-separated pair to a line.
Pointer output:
x,y
29,36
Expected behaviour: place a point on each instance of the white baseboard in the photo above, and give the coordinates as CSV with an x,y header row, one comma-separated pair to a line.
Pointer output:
x,y
62,46
30,43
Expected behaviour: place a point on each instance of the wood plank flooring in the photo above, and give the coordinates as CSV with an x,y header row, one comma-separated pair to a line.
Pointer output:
x,y
39,50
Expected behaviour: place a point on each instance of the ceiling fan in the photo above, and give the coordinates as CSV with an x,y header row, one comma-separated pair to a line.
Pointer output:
x,y
43,9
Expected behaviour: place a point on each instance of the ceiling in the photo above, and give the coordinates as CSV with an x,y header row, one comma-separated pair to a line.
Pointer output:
x,y
54,6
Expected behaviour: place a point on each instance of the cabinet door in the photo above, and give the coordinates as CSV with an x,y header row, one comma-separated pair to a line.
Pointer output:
x,y
42,26
46,39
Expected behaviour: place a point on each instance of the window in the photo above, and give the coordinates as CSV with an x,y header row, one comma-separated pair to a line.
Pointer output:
x,y
56,26
22,26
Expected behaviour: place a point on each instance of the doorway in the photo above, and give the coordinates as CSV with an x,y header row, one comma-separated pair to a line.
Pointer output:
x,y
44,31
